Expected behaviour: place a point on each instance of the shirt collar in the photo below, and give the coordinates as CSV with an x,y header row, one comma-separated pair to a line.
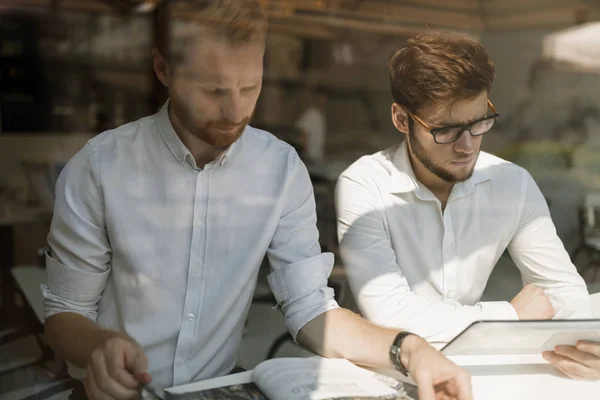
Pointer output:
x,y
403,178
174,143
165,127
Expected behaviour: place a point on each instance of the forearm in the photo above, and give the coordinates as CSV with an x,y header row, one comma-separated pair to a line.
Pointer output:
x,y
340,333
74,337
435,321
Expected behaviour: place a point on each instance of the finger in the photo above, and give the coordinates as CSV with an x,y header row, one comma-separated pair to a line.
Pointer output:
x,y
105,382
569,367
589,347
457,387
116,366
140,369
567,372
442,396
447,388
574,354
425,387
547,355
465,388
92,389
137,363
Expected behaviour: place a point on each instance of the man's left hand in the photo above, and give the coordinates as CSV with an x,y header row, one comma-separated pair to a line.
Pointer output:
x,y
581,362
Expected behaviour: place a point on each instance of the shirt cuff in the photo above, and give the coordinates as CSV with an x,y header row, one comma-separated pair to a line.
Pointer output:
x,y
301,290
72,290
297,321
498,310
75,284
54,304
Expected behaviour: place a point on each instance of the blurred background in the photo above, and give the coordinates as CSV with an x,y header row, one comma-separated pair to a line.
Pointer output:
x,y
70,69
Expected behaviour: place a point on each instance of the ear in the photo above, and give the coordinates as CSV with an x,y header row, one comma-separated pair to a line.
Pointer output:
x,y
161,67
400,117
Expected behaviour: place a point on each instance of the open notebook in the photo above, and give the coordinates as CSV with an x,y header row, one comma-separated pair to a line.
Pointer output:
x,y
313,378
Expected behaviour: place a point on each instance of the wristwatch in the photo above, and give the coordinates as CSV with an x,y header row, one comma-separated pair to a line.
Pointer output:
x,y
396,352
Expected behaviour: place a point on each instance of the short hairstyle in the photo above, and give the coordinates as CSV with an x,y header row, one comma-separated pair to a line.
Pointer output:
x,y
236,21
439,66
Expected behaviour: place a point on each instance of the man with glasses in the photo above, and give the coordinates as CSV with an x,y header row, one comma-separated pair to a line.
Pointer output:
x,y
160,227
422,225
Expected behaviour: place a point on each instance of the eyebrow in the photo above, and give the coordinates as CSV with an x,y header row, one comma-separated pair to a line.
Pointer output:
x,y
446,123
219,85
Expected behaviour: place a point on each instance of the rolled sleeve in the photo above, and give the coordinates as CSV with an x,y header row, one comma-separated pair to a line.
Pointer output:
x,y
69,289
498,310
78,265
542,258
299,269
301,290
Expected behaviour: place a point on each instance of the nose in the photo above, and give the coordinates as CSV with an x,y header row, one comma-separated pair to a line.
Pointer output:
x,y
233,109
465,143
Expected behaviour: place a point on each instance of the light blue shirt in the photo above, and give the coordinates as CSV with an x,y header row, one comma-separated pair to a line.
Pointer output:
x,y
145,242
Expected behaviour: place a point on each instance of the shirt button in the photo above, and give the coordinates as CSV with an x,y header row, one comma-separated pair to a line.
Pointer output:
x,y
190,317
450,293
199,223
195,271
181,363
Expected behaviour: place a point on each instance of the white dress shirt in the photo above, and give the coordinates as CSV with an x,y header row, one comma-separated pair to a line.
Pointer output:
x,y
312,124
145,242
412,266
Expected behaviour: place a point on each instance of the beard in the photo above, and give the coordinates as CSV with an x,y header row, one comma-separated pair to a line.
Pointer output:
x,y
220,134
216,133
419,151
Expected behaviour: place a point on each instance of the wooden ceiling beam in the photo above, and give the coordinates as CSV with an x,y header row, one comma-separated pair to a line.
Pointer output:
x,y
445,5
420,15
344,23
465,6
474,24
79,5
491,7
304,31
557,17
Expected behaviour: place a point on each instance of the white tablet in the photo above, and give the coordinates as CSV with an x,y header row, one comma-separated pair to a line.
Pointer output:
x,y
520,337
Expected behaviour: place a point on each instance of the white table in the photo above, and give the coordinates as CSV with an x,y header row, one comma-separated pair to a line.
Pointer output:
x,y
494,378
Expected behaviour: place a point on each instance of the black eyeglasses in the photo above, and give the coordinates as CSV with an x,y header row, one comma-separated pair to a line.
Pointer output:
x,y
449,134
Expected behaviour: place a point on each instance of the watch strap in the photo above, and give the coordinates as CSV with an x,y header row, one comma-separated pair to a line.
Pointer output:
x,y
396,352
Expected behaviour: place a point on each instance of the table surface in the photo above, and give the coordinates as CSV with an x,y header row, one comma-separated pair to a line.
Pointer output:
x,y
493,378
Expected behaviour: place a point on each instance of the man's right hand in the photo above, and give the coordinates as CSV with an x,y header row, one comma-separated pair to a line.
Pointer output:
x,y
532,303
436,376
116,370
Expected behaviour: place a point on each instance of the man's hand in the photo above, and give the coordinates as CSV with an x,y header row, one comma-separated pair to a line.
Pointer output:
x,y
115,370
532,303
580,362
437,377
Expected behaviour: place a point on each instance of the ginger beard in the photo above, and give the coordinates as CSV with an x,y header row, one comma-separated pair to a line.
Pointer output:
x,y
217,133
